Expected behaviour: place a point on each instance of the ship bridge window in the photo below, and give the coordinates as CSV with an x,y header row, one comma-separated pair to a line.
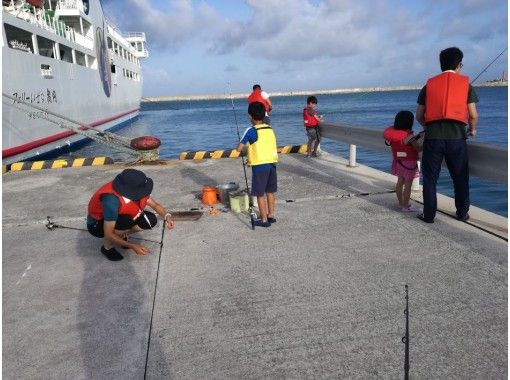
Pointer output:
x,y
46,47
18,39
66,53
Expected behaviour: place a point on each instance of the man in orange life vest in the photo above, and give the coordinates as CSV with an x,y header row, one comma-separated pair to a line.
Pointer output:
x,y
446,104
260,96
117,209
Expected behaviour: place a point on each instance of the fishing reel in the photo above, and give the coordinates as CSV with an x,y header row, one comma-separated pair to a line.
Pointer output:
x,y
49,224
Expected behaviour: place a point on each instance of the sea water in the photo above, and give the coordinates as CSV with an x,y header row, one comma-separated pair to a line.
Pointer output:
x,y
211,125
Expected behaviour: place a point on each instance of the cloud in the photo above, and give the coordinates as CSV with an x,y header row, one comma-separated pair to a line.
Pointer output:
x,y
298,30
231,68
170,27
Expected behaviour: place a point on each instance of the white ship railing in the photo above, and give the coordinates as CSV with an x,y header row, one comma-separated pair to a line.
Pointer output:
x,y
46,20
138,36
71,4
485,161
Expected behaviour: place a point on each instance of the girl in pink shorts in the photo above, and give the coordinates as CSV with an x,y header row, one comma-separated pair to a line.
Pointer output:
x,y
405,157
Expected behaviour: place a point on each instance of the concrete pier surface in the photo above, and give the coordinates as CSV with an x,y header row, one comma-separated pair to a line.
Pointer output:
x,y
319,294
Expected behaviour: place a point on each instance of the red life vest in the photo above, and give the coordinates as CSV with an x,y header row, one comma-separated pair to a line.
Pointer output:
x,y
256,96
399,149
446,97
309,120
131,208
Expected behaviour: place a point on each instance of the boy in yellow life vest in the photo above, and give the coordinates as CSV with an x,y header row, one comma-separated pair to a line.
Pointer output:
x,y
262,157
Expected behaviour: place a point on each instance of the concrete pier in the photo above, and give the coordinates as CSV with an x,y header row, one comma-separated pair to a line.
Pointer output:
x,y
319,294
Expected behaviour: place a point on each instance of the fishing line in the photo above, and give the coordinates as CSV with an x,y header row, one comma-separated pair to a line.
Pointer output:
x,y
486,67
250,201
229,124
478,227
154,301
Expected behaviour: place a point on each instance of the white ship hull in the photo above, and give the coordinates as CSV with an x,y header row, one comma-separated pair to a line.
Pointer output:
x,y
90,94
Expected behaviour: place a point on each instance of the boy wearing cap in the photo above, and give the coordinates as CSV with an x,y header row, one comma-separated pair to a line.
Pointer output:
x,y
117,209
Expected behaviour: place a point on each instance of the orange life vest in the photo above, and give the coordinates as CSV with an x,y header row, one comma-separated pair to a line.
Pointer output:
x,y
127,207
399,149
256,96
446,97
309,120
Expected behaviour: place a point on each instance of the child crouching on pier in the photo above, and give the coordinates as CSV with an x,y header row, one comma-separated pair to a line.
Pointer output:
x,y
405,151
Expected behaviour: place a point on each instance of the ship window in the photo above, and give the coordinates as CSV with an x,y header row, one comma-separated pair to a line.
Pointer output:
x,y
46,47
80,58
112,67
66,53
18,39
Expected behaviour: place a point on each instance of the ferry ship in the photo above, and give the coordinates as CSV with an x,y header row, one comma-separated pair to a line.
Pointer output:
x,y
65,58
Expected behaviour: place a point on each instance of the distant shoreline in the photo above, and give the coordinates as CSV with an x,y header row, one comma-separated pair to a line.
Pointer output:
x,y
303,93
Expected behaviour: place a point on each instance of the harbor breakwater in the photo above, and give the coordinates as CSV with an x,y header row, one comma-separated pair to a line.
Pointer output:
x,y
305,92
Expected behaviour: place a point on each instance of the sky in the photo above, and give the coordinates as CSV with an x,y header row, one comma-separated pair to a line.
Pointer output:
x,y
222,46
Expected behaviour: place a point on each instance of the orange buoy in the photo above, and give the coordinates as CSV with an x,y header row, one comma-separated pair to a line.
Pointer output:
x,y
209,195
145,143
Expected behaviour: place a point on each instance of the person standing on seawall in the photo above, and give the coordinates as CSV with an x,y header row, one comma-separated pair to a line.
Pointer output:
x,y
311,122
446,104
262,157
260,96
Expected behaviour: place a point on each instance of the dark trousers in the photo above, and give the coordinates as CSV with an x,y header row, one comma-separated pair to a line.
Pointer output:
x,y
146,221
455,154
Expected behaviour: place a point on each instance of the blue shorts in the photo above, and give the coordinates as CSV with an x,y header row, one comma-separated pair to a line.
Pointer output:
x,y
263,182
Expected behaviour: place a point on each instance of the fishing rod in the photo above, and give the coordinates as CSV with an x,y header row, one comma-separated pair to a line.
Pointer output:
x,y
250,201
154,301
405,339
50,225
489,65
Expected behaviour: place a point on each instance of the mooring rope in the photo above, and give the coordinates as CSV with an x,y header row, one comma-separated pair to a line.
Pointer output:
x,y
110,139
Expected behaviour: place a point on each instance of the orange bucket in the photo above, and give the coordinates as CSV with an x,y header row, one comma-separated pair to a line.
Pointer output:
x,y
209,195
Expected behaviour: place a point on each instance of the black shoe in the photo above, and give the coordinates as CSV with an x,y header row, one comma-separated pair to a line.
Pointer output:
x,y
465,218
271,220
421,217
111,254
260,223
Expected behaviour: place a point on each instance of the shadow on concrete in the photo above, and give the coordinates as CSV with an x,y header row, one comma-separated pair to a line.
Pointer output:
x,y
309,171
114,313
198,177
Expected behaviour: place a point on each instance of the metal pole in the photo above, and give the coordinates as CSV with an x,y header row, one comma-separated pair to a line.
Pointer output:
x,y
352,156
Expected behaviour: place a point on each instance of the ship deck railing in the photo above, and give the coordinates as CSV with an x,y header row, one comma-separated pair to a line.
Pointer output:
x,y
71,4
45,19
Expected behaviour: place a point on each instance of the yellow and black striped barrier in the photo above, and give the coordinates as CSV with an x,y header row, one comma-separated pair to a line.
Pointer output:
x,y
232,153
58,164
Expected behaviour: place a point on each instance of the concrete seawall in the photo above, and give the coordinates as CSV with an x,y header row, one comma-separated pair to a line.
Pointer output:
x,y
319,294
